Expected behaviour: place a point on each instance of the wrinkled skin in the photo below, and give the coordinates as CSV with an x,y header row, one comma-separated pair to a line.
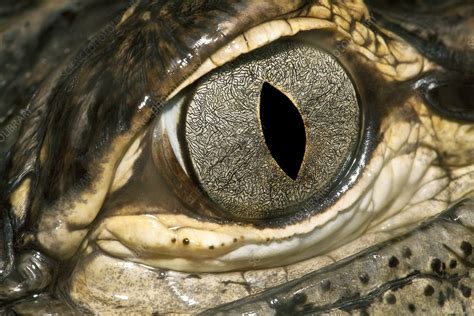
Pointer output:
x,y
83,226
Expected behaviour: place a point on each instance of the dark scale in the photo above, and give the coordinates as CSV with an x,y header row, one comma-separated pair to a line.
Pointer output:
x,y
449,293
429,290
364,312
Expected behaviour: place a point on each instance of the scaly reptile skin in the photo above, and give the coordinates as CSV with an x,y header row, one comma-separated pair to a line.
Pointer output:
x,y
103,210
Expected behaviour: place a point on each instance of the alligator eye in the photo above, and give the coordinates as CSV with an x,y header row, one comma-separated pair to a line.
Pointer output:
x,y
272,133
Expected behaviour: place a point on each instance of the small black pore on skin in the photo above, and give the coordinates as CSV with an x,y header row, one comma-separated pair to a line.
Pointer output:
x,y
364,278
391,299
326,285
466,248
295,306
412,308
185,241
429,290
453,263
299,298
393,262
436,265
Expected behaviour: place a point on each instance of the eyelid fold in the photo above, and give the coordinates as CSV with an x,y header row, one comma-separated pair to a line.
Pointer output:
x,y
391,55
252,39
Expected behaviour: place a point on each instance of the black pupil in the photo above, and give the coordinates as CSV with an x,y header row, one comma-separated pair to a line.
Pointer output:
x,y
283,129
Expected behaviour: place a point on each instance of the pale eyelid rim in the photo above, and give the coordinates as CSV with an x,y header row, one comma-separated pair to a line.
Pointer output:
x,y
254,38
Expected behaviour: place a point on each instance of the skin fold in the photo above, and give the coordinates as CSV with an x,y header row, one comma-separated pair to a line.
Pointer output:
x,y
100,213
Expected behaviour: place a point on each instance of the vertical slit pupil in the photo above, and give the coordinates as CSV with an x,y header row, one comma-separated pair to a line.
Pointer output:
x,y
283,129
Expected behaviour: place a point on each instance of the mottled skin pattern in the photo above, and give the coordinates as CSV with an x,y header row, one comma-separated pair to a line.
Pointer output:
x,y
67,192
419,276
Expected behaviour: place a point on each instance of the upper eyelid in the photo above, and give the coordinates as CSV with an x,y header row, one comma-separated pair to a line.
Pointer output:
x,y
256,37
317,18
393,58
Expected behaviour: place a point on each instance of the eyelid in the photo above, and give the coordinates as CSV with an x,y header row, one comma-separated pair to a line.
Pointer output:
x,y
384,54
257,37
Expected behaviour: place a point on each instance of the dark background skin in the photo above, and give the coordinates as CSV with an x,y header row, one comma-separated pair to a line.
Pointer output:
x,y
148,64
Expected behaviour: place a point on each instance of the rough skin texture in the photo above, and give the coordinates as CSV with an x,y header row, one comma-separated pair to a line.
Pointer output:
x,y
79,186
